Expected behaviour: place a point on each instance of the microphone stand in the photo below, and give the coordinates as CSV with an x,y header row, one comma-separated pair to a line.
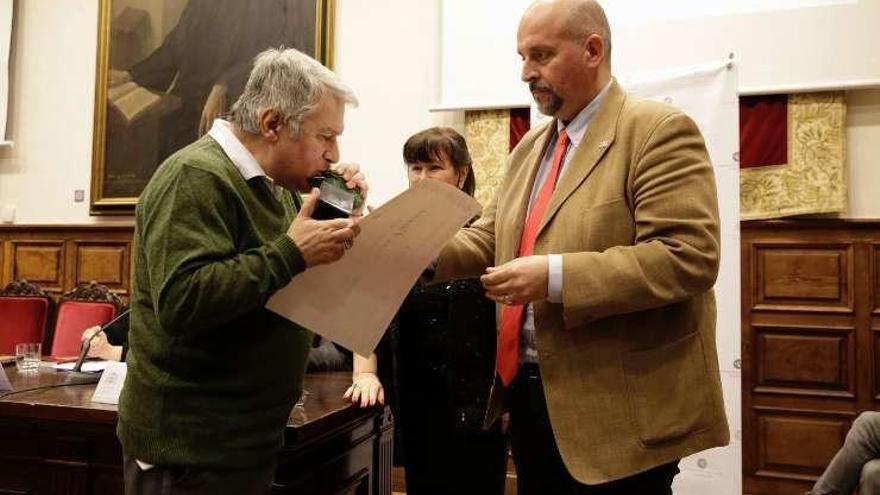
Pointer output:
x,y
76,375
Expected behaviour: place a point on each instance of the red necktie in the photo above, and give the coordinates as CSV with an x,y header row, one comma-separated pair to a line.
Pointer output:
x,y
507,362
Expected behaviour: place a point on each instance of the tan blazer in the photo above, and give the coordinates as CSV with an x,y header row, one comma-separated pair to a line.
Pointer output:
x,y
628,360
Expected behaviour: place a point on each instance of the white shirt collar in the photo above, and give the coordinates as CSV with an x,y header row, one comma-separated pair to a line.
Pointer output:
x,y
577,128
243,160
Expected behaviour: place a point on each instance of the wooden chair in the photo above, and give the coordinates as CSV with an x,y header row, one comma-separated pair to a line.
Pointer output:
x,y
87,305
25,314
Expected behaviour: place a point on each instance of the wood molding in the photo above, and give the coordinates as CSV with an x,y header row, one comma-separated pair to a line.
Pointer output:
x,y
803,276
810,345
784,452
805,360
38,261
875,279
58,257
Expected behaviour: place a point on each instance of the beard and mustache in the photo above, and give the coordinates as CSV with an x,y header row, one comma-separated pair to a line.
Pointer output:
x,y
553,102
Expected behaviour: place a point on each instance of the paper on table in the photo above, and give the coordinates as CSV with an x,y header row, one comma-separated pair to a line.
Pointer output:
x,y
108,389
87,367
352,301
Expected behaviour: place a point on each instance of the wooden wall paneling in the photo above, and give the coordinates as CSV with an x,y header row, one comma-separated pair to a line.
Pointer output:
x,y
749,429
70,256
811,343
807,277
875,282
865,336
784,452
105,262
874,368
57,257
5,261
873,322
805,360
41,262
3,268
864,315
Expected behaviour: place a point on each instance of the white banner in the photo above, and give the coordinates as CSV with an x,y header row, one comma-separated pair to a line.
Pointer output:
x,y
708,94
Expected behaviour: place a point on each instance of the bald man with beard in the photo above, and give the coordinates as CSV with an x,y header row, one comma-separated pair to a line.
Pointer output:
x,y
601,247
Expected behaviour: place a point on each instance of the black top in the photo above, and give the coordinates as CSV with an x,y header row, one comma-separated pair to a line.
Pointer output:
x,y
117,333
443,341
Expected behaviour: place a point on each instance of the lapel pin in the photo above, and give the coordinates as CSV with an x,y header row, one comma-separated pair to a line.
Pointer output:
x,y
604,144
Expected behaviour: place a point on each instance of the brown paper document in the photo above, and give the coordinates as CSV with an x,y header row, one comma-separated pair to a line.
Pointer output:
x,y
352,301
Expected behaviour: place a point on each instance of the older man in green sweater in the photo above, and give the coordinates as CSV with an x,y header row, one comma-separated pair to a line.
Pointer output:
x,y
212,375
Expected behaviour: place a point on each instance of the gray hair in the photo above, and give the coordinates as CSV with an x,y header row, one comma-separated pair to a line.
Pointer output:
x,y
290,82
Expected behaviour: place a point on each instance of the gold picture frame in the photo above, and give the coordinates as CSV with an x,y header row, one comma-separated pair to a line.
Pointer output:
x,y
152,78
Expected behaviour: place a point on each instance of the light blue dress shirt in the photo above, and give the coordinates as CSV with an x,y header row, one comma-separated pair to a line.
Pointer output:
x,y
576,129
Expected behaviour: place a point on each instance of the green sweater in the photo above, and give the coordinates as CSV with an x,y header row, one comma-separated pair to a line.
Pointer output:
x,y
212,375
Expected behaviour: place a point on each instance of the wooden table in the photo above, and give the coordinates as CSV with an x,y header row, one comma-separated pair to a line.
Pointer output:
x,y
56,441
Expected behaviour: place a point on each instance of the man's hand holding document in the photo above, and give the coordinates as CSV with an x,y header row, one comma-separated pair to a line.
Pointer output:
x,y
352,301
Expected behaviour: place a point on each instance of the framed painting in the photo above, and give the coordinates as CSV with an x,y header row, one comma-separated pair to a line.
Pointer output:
x,y
167,68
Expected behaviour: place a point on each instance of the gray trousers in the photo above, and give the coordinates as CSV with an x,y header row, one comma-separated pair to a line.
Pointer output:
x,y
179,480
857,464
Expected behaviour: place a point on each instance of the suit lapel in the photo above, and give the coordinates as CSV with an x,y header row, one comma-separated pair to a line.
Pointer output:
x,y
600,135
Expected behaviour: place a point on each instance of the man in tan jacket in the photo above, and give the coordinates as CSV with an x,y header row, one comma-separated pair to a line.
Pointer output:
x,y
602,247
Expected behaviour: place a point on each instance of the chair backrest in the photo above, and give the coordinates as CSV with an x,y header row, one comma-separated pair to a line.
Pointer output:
x,y
73,318
22,319
87,305
25,309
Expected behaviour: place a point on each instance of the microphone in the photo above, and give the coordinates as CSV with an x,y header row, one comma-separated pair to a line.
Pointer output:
x,y
84,352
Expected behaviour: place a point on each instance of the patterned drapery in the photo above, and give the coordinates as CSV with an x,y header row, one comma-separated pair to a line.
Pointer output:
x,y
792,153
813,180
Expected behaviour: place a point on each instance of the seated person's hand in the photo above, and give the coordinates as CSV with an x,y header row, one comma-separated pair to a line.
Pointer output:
x,y
100,347
366,389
